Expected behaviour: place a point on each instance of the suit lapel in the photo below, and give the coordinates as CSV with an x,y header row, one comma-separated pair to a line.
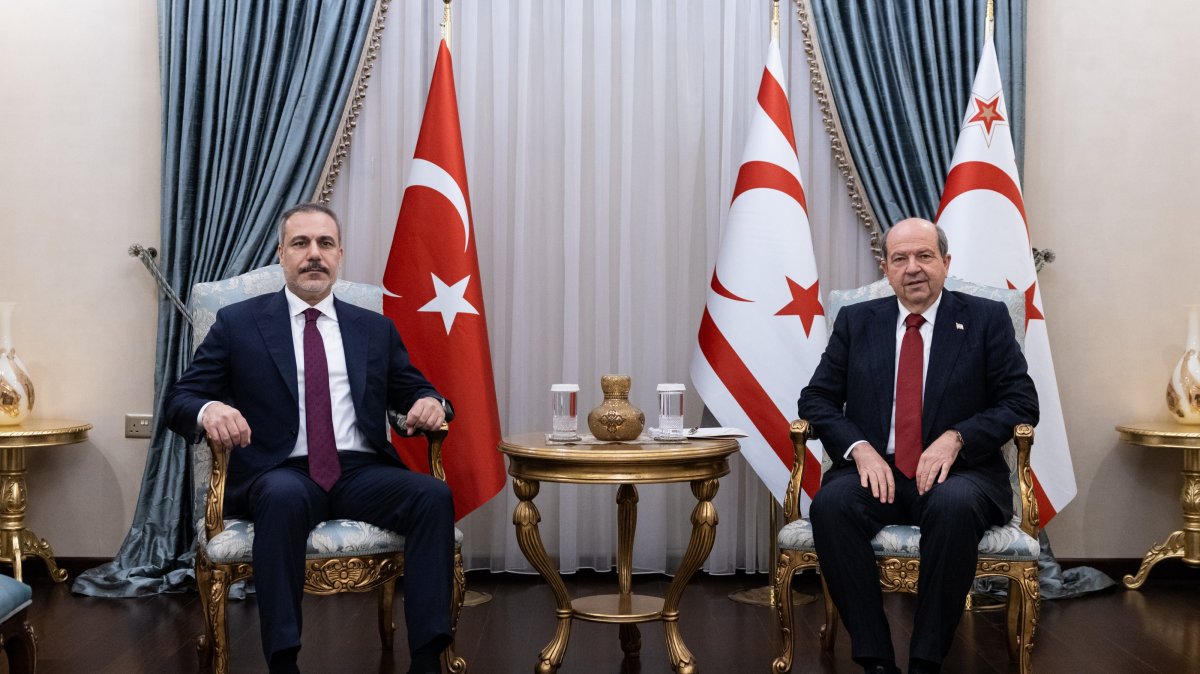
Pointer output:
x,y
274,324
948,339
882,334
355,343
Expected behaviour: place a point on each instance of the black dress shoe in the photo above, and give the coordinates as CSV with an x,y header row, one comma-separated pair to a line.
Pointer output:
x,y
882,668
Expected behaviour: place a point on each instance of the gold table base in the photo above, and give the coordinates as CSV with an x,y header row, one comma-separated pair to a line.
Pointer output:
x,y
698,463
16,540
1185,543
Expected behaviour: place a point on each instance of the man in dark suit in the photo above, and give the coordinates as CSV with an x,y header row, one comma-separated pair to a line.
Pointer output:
x,y
296,385
912,444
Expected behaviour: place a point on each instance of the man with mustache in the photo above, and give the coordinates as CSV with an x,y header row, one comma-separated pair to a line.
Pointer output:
x,y
913,399
296,385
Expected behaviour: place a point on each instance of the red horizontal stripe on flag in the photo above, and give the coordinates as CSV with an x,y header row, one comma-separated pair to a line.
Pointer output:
x,y
753,400
765,175
774,102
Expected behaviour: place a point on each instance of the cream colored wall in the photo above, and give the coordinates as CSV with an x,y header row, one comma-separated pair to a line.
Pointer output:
x,y
1110,182
1111,172
79,182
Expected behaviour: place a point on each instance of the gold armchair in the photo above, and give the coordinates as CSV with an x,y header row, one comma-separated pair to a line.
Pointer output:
x,y
1010,551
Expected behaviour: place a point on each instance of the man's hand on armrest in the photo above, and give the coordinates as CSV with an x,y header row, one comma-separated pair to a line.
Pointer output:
x,y
426,414
225,425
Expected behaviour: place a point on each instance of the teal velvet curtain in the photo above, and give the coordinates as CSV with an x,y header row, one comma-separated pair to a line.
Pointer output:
x,y
901,73
252,93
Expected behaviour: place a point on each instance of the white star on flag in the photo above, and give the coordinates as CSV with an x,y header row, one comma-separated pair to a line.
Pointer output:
x,y
449,301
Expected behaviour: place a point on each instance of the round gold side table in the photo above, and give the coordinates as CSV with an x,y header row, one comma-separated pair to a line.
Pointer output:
x,y
1186,542
531,460
16,541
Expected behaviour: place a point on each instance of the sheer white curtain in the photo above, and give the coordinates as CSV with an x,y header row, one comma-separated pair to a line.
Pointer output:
x,y
602,141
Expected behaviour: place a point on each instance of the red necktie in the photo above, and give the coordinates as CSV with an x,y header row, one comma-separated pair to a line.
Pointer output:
x,y
323,466
908,396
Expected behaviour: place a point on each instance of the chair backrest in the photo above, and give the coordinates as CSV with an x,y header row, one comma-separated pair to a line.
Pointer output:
x,y
208,298
1013,300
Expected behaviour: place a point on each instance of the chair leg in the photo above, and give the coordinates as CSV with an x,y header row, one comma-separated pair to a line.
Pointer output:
x,y
213,646
455,664
1026,622
387,625
782,596
20,645
829,629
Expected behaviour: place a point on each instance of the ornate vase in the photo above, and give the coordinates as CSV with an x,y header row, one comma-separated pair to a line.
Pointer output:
x,y
616,418
16,389
1183,390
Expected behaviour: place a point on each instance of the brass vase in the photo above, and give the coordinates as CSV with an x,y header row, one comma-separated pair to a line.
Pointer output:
x,y
615,418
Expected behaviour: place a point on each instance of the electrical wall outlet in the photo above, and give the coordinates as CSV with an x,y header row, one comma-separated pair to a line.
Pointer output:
x,y
138,425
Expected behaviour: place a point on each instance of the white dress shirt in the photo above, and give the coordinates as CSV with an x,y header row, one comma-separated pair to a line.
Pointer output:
x,y
926,330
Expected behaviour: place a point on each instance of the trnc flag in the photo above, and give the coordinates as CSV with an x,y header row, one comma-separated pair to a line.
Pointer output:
x,y
983,213
763,328
434,296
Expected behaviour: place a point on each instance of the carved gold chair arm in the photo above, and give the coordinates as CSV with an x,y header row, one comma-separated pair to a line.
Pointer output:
x,y
1023,437
800,432
436,438
214,502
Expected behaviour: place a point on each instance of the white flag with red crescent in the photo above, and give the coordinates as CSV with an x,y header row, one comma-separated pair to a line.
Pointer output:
x,y
763,328
434,296
983,213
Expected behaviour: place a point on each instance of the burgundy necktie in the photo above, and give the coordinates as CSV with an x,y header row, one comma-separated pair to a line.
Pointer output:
x,y
323,466
908,396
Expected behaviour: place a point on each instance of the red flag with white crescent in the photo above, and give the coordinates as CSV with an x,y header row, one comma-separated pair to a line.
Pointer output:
x,y
763,330
983,213
434,296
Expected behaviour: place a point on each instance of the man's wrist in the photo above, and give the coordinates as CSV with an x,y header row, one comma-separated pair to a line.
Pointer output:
x,y
958,436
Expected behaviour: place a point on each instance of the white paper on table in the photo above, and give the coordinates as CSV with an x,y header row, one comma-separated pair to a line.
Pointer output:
x,y
716,432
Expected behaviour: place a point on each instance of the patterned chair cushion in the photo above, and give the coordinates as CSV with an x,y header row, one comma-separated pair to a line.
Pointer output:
x,y
334,538
15,596
898,540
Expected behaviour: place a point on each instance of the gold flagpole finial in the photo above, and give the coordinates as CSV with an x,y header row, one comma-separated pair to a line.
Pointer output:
x,y
446,23
990,26
775,20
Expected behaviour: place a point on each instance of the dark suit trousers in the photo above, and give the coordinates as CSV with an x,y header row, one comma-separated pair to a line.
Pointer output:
x,y
953,517
285,505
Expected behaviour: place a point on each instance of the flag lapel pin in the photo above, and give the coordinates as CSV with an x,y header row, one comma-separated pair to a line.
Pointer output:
x,y
959,326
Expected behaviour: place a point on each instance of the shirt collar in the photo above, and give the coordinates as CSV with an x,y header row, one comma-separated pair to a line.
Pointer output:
x,y
296,306
930,314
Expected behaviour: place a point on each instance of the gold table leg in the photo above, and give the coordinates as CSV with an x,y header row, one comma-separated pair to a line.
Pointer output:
x,y
1186,542
17,542
704,531
526,518
627,498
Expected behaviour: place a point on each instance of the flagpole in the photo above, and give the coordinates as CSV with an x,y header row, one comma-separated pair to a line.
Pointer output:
x,y
765,595
989,24
470,597
446,22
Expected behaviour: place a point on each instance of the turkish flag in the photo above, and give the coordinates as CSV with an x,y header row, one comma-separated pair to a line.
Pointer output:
x,y
763,330
434,296
983,213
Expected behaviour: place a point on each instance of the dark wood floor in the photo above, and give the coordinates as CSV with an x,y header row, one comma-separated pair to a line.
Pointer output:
x,y
1156,629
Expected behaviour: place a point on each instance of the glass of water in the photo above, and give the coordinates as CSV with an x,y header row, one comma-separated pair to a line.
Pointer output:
x,y
563,406
670,411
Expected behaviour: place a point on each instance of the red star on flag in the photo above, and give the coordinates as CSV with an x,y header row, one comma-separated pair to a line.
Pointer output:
x,y
806,303
987,112
1031,310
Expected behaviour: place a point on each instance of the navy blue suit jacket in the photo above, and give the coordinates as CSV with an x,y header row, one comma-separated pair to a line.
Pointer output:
x,y
976,383
248,361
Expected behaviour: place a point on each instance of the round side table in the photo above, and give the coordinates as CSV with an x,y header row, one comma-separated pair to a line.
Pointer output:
x,y
532,460
17,541
1184,543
